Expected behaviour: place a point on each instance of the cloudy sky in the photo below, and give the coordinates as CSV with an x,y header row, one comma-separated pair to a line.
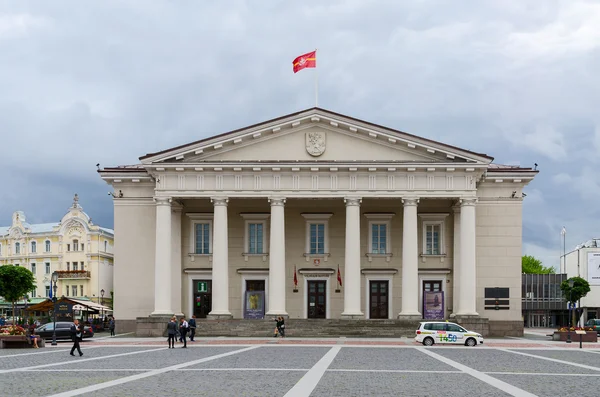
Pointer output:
x,y
108,81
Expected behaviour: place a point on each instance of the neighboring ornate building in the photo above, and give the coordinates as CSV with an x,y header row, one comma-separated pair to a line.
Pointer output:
x,y
223,227
81,253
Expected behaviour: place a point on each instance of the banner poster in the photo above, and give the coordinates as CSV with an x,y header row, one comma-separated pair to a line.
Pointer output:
x,y
254,305
433,305
594,268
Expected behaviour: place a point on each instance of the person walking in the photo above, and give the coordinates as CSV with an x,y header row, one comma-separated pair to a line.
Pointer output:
x,y
76,334
171,331
183,328
192,324
111,326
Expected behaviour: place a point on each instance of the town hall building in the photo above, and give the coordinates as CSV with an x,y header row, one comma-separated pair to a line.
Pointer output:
x,y
317,215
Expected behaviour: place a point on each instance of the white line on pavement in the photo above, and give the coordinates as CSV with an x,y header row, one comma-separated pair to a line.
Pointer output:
x,y
552,359
539,374
506,387
4,371
309,381
93,388
394,371
52,350
113,337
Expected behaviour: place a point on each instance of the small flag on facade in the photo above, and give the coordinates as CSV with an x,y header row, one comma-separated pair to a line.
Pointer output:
x,y
339,276
295,278
308,60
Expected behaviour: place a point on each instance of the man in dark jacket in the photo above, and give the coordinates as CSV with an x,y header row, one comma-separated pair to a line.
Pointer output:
x,y
76,335
192,324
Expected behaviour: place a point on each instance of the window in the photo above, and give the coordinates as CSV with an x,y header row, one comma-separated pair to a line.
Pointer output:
x,y
33,269
47,268
67,290
317,233
379,233
454,328
75,266
68,266
82,247
47,291
200,233
34,293
105,246
68,247
74,290
47,245
81,263
255,234
33,247
433,234
75,245
17,248
81,290
0,249
17,264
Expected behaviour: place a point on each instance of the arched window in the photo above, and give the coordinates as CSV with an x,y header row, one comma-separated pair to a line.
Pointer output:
x,y
75,245
47,245
17,248
33,247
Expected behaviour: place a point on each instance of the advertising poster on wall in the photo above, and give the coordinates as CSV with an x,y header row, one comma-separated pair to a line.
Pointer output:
x,y
254,304
433,305
594,268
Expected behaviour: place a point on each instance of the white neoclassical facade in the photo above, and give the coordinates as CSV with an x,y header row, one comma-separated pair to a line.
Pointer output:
x,y
266,220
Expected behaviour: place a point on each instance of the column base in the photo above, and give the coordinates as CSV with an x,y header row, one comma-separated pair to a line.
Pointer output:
x,y
353,316
161,313
410,317
467,315
219,316
271,314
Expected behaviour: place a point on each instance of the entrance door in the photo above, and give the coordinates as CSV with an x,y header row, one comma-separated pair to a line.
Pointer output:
x,y
202,298
317,294
378,299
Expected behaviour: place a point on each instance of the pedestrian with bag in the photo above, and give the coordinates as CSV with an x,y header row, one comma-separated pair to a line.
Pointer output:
x,y
171,331
192,324
76,335
183,328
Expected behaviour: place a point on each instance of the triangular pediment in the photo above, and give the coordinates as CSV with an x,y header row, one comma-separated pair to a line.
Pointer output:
x,y
316,134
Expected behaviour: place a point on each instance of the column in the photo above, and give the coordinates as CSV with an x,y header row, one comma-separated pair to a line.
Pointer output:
x,y
162,258
456,262
220,263
176,259
277,259
352,259
468,270
410,262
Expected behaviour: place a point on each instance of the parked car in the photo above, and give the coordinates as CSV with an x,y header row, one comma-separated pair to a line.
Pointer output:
x,y
63,330
431,332
595,324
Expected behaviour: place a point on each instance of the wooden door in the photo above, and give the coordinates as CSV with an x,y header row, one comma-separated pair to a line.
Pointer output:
x,y
379,299
317,298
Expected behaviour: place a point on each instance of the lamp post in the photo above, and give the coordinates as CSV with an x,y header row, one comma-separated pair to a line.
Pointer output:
x,y
571,283
54,288
102,303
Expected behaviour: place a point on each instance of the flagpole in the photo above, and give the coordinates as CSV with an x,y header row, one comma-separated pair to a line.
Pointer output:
x,y
316,84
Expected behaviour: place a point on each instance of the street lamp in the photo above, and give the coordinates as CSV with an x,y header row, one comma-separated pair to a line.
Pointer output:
x,y
571,283
102,303
54,288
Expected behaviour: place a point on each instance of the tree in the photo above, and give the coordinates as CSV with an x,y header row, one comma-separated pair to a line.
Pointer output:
x,y
15,282
531,265
573,294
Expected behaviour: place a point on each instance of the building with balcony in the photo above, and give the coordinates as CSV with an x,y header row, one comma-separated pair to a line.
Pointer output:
x,y
77,249
317,215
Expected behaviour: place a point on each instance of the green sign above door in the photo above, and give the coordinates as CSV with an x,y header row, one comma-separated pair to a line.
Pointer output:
x,y
202,286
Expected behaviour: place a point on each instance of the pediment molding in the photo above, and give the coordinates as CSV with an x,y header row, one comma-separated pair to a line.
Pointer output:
x,y
329,121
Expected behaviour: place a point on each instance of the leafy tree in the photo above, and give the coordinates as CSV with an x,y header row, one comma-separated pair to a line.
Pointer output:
x,y
15,282
531,265
573,294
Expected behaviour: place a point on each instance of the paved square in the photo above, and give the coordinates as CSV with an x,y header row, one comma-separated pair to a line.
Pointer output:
x,y
301,367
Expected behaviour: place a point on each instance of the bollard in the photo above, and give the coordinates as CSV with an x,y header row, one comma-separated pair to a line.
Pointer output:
x,y
580,340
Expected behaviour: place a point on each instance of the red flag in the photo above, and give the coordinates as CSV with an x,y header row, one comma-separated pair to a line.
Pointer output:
x,y
339,276
305,61
295,278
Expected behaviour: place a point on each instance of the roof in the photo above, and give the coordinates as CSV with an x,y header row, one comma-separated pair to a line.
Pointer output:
x,y
111,231
303,111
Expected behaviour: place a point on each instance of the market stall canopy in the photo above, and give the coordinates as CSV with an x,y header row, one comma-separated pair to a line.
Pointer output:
x,y
47,305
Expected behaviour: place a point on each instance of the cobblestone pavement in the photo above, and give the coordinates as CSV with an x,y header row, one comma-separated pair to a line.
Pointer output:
x,y
302,367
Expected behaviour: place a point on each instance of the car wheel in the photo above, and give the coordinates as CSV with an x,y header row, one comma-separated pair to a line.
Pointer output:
x,y
428,341
470,342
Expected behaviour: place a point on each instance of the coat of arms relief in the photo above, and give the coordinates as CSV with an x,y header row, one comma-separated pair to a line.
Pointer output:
x,y
315,143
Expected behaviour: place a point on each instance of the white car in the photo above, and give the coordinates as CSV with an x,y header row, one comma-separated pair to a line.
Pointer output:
x,y
431,332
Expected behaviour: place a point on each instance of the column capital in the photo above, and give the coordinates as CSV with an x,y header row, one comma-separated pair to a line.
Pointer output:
x,y
220,201
277,201
352,201
163,200
410,201
468,201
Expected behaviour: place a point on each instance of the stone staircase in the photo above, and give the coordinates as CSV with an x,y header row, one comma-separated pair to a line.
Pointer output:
x,y
316,328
